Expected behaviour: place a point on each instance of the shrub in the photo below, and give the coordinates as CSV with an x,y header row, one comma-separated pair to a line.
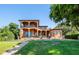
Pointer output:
x,y
72,36
6,34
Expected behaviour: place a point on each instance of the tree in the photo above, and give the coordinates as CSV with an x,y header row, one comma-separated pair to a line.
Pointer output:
x,y
66,30
68,14
14,29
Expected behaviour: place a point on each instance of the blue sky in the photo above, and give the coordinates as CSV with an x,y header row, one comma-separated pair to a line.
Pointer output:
x,y
14,12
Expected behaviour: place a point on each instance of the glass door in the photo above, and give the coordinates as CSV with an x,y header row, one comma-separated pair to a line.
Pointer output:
x,y
29,34
26,34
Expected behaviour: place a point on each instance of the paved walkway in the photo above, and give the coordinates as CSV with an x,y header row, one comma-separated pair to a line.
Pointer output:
x,y
16,48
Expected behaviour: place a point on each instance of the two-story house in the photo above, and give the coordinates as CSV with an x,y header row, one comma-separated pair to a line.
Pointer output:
x,y
32,28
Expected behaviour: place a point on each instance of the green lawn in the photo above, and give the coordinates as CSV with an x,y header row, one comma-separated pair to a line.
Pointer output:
x,y
46,47
5,45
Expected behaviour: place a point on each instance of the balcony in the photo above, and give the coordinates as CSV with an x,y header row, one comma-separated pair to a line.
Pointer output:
x,y
28,27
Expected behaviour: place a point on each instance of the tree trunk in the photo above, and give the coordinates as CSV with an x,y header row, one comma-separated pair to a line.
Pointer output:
x,y
77,27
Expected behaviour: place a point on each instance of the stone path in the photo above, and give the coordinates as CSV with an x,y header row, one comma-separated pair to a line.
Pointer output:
x,y
15,49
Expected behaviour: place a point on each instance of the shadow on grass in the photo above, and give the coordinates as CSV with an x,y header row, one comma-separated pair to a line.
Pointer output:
x,y
46,47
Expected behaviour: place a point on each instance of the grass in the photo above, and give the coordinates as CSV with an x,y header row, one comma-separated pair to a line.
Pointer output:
x,y
5,45
46,47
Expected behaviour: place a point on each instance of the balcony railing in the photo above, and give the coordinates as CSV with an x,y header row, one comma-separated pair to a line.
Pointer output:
x,y
28,26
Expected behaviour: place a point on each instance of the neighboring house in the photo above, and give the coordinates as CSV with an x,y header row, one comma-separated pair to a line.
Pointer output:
x,y
32,28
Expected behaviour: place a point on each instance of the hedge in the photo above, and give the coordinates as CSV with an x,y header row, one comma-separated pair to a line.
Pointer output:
x,y
73,36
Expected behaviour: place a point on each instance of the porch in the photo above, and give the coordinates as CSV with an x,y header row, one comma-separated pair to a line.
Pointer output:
x,y
33,33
